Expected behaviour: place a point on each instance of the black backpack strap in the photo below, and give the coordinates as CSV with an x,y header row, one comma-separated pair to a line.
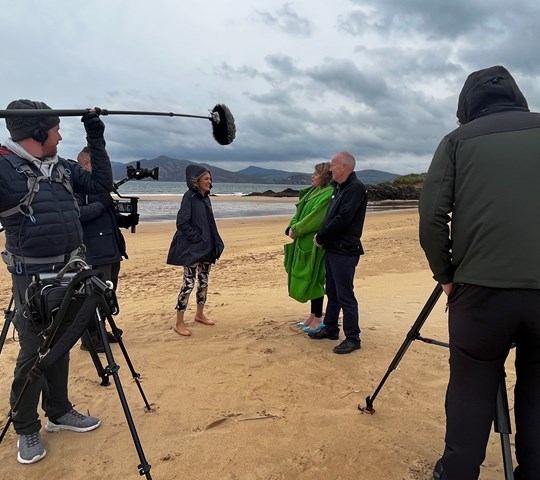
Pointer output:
x,y
33,178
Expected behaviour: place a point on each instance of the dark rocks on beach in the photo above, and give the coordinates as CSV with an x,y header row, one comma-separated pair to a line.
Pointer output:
x,y
288,192
376,193
386,191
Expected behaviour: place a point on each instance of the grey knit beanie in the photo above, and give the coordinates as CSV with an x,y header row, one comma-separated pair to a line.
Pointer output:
x,y
24,127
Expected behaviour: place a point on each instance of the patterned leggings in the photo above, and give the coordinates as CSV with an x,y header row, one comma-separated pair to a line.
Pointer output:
x,y
201,270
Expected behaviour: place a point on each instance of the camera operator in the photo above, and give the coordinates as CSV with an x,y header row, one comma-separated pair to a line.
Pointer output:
x,y
42,233
104,242
484,180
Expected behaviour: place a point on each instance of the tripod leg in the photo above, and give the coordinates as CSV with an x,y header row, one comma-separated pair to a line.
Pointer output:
x,y
8,316
112,368
136,376
501,425
413,334
102,372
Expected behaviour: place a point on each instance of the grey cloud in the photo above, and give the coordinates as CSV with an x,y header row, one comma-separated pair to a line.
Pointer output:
x,y
286,20
433,20
343,76
282,64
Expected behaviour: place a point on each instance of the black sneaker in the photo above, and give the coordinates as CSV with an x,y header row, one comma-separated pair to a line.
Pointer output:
x,y
97,344
347,346
438,471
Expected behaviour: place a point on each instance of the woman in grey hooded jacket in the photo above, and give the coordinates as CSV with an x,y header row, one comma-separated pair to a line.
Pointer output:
x,y
195,245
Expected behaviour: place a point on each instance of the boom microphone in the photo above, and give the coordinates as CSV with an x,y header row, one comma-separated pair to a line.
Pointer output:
x,y
223,125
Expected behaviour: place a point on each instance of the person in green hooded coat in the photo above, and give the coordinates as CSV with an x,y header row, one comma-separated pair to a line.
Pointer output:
x,y
304,262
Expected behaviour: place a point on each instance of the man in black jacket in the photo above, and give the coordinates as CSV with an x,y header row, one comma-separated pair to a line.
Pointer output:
x,y
42,232
483,183
340,237
105,245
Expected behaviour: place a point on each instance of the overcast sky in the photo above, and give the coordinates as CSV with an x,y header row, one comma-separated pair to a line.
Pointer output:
x,y
303,79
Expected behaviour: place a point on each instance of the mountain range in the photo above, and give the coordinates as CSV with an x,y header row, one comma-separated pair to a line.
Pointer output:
x,y
173,170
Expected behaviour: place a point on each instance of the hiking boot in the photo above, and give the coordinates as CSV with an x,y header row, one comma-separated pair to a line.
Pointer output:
x,y
31,448
74,421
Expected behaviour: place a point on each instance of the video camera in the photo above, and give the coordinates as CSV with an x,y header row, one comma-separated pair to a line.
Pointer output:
x,y
129,204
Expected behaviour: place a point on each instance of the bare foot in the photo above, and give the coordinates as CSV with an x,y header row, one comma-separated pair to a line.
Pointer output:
x,y
203,319
309,320
314,322
182,330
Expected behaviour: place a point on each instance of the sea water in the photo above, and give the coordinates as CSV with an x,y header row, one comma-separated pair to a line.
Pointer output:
x,y
152,210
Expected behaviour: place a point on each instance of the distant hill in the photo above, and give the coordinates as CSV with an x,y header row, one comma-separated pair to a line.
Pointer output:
x,y
267,175
173,170
374,177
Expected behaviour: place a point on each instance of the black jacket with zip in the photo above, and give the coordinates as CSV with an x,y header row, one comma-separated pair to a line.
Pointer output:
x,y
344,221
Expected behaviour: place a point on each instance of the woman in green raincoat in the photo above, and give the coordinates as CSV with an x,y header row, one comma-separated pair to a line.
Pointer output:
x,y
304,262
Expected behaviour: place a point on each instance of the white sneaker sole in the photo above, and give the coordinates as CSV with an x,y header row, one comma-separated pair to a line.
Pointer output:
x,y
37,458
53,427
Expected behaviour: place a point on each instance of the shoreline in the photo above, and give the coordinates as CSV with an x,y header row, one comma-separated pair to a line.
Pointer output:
x,y
164,208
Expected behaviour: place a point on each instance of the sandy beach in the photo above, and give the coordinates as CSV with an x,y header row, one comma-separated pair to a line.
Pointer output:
x,y
253,398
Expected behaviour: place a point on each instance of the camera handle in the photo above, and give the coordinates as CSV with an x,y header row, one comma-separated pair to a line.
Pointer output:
x,y
133,204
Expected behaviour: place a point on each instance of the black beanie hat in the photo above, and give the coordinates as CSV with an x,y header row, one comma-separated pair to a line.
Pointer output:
x,y
24,127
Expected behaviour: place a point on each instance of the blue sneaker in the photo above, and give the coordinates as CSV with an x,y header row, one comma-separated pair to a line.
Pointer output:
x,y
74,421
31,448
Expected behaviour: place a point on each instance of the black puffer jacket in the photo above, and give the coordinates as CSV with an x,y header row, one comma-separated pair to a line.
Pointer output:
x,y
196,238
103,240
344,219
56,229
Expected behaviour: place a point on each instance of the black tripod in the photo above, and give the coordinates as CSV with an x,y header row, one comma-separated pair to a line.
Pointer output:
x,y
501,422
92,298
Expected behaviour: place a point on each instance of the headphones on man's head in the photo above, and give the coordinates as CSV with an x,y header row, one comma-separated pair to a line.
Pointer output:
x,y
39,134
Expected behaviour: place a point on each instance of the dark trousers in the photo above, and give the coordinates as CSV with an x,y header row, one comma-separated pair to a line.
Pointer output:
x,y
317,306
52,385
340,292
111,272
483,324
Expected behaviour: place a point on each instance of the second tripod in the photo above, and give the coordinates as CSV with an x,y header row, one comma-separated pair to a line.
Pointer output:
x,y
501,422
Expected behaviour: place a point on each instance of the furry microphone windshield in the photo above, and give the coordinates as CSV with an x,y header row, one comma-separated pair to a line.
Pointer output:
x,y
223,126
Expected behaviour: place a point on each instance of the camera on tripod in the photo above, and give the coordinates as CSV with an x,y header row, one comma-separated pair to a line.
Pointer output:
x,y
129,204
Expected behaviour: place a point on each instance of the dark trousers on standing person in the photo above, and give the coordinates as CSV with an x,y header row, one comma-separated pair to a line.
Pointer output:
x,y
52,385
317,306
483,325
340,293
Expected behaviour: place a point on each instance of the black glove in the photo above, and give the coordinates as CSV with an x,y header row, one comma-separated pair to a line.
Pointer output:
x,y
127,221
106,200
93,125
